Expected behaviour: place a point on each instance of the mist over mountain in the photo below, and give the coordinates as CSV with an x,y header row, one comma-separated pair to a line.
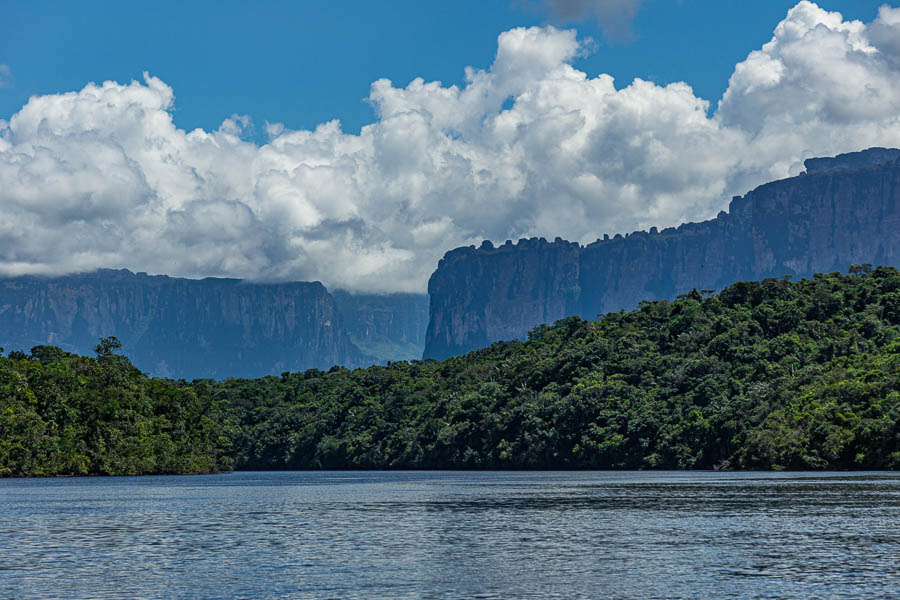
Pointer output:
x,y
386,327
843,210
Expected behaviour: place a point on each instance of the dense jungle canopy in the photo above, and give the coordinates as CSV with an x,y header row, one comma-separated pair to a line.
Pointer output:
x,y
763,375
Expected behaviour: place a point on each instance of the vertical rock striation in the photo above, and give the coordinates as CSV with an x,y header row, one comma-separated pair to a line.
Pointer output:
x,y
180,327
480,296
843,210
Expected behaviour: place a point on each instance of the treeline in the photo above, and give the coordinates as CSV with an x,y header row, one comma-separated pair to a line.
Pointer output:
x,y
771,375
775,374
62,414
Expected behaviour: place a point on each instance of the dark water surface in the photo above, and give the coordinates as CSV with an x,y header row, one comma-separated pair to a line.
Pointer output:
x,y
453,535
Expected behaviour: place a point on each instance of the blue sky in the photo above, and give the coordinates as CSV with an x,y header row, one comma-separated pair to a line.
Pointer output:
x,y
547,135
303,63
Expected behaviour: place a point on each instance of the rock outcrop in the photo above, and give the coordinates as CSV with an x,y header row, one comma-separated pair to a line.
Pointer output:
x,y
843,210
181,327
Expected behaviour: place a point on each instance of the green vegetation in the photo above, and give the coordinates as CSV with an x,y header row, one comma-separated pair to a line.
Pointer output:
x,y
768,375
62,414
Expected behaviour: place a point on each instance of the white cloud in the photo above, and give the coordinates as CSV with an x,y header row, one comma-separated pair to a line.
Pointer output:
x,y
102,177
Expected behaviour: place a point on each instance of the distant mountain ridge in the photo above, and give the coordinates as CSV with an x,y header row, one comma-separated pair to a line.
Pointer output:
x,y
386,327
843,210
213,327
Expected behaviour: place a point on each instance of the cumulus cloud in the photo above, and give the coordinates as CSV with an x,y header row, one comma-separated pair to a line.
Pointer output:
x,y
531,146
614,16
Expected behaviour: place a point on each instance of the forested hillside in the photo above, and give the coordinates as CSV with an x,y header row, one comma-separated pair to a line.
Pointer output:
x,y
772,374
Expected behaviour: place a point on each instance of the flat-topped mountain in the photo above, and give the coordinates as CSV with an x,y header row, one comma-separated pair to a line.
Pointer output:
x,y
180,327
844,210
851,160
189,328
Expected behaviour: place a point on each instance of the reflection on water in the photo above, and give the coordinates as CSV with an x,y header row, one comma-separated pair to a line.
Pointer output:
x,y
452,535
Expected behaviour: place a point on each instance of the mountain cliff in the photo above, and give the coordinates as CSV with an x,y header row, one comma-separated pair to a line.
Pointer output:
x,y
181,327
841,211
386,327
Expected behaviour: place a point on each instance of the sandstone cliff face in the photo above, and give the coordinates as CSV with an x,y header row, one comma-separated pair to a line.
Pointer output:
x,y
844,210
387,327
476,301
180,327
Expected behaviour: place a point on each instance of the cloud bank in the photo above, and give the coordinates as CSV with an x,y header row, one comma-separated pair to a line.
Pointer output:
x,y
531,146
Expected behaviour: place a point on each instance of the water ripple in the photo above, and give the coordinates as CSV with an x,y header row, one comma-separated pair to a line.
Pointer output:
x,y
452,535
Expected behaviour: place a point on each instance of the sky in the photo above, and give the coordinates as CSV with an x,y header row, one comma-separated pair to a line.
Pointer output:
x,y
355,143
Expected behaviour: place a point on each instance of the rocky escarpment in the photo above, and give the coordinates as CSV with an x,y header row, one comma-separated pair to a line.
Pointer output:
x,y
387,327
843,210
180,327
480,296
851,160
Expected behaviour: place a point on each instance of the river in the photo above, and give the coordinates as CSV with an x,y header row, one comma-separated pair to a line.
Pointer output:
x,y
486,535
